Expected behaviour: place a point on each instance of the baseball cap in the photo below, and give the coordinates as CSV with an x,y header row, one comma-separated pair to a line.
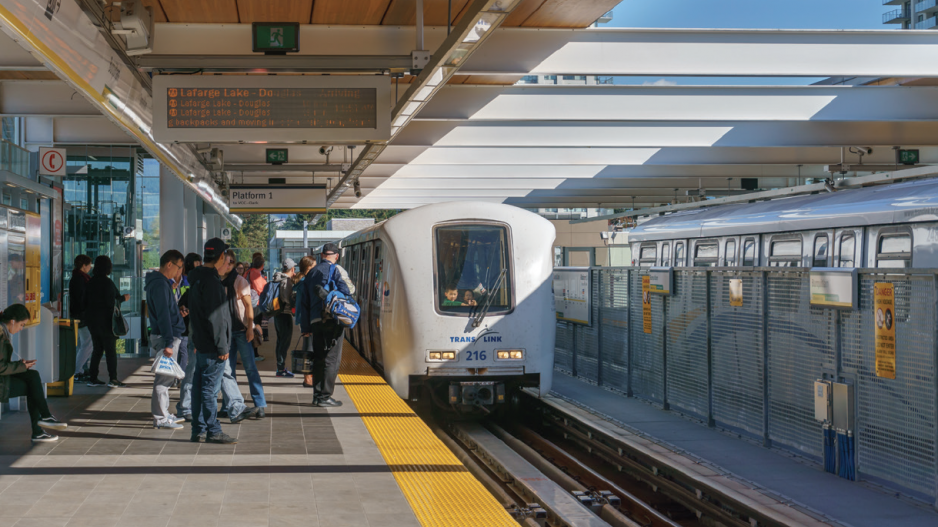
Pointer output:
x,y
288,264
213,248
330,248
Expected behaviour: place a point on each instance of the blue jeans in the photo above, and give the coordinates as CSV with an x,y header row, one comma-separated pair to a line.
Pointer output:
x,y
240,344
232,400
208,372
183,358
184,406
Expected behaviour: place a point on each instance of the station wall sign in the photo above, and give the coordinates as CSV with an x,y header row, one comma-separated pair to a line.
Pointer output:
x,y
834,287
277,199
572,294
51,161
268,108
660,280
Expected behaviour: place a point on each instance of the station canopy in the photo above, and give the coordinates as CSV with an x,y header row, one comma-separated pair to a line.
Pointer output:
x,y
520,102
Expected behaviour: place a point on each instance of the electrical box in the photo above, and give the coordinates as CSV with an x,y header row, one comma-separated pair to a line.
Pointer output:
x,y
844,408
822,401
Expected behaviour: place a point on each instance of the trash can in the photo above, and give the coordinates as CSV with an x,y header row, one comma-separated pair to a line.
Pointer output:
x,y
68,347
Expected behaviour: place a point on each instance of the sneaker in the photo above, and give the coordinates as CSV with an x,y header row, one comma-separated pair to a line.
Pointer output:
x,y
222,413
260,413
284,373
116,384
174,419
172,425
326,402
52,423
248,413
45,437
259,358
222,438
187,418
96,382
197,439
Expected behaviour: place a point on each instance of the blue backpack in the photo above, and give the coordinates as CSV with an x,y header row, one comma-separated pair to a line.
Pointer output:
x,y
338,306
269,301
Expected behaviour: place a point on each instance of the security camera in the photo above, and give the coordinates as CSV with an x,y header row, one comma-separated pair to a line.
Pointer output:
x,y
358,189
325,150
862,150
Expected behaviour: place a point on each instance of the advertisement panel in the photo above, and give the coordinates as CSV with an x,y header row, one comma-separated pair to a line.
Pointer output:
x,y
572,294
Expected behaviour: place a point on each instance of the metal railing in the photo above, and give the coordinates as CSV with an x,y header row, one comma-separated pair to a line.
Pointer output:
x,y
928,23
926,5
895,15
14,159
751,368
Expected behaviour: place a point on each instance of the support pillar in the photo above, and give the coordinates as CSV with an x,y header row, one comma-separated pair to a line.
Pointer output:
x,y
172,216
191,222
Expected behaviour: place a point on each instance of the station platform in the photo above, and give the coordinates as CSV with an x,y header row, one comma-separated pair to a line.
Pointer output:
x,y
784,479
371,462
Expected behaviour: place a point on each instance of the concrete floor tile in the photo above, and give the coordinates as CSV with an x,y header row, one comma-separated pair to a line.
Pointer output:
x,y
401,519
41,522
100,521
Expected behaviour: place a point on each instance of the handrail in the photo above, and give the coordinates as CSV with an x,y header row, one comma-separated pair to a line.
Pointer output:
x,y
895,14
928,23
14,158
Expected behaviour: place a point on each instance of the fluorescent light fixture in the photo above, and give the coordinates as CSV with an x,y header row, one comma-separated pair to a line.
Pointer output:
x,y
482,26
411,108
394,130
424,93
401,120
436,78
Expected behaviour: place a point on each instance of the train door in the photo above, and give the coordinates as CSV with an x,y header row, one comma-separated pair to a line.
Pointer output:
x,y
665,254
821,253
680,252
354,264
364,300
377,297
731,252
847,248
750,251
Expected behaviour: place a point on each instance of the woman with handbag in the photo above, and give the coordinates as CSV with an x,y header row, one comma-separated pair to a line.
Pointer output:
x,y
103,307
17,378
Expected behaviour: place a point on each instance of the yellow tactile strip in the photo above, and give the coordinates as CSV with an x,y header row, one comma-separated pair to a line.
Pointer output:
x,y
439,488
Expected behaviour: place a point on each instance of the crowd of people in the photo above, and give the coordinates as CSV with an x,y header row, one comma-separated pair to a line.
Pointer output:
x,y
204,313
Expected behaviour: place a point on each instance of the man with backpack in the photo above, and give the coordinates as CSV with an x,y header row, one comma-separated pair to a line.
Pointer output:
x,y
277,301
326,333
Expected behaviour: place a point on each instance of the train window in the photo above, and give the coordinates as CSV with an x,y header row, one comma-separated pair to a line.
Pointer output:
x,y
706,254
848,245
820,251
785,253
749,252
895,250
648,254
473,268
679,254
665,254
730,253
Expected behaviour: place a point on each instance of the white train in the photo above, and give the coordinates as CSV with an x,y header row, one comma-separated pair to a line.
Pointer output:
x,y
456,302
886,226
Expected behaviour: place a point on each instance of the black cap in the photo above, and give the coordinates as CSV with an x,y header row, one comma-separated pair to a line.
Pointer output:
x,y
330,248
214,248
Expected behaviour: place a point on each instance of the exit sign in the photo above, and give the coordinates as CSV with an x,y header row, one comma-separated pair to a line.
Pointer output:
x,y
277,156
275,38
908,157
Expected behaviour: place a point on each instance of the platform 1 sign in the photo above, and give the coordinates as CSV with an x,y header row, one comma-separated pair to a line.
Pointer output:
x,y
268,108
572,294
277,199
834,287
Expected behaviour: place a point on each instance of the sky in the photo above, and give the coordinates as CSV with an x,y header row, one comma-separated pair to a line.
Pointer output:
x,y
751,14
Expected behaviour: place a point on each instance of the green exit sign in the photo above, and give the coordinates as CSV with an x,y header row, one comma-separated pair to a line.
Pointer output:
x,y
908,157
277,156
275,38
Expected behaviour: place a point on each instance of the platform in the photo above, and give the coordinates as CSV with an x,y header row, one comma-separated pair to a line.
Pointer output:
x,y
368,463
785,477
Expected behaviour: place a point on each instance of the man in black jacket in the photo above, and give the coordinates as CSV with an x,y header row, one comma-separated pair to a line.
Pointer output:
x,y
76,310
210,329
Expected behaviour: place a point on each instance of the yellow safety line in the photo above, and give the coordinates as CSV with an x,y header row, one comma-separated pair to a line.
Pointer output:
x,y
437,485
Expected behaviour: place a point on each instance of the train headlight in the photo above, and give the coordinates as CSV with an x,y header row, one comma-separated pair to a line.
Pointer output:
x,y
436,355
509,354
449,355
441,355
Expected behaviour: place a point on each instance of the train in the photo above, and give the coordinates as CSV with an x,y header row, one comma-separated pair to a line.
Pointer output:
x,y
457,307
887,226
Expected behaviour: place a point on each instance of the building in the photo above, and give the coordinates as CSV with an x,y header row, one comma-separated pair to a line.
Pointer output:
x,y
912,14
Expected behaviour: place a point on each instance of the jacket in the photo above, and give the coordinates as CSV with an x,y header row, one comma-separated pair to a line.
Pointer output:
x,y
209,315
310,302
102,297
257,280
163,311
287,298
7,365
77,289
297,291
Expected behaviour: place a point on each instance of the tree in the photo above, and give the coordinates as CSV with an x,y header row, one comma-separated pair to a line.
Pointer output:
x,y
251,237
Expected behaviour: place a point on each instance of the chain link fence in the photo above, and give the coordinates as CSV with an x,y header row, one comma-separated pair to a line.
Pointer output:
x,y
751,368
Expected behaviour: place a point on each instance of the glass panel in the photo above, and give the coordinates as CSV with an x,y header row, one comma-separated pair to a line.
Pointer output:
x,y
578,258
847,250
708,250
472,267
731,252
901,243
679,254
749,252
649,253
601,256
665,254
820,251
786,248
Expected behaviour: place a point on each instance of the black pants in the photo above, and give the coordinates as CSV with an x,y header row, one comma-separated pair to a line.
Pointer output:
x,y
327,353
104,344
29,384
283,324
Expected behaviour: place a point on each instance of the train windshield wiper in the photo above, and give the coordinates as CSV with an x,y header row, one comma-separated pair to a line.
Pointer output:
x,y
479,316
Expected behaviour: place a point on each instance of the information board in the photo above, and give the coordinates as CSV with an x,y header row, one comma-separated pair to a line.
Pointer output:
x,y
277,199
572,294
271,108
884,329
660,280
834,287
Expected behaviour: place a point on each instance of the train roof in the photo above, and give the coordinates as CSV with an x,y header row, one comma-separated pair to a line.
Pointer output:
x,y
912,201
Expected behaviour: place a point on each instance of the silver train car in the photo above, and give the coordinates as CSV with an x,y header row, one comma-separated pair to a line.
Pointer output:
x,y
887,226
456,300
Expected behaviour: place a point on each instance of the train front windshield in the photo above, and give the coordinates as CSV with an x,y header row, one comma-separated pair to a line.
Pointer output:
x,y
473,268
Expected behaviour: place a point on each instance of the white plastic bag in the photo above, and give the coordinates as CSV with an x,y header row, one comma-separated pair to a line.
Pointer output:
x,y
167,366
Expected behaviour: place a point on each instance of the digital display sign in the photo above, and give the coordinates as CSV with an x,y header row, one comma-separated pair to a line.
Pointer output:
x,y
270,108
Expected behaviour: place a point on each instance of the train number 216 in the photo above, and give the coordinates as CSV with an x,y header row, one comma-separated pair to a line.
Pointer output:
x,y
475,355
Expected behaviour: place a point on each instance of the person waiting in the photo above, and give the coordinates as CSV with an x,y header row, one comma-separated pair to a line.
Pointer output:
x,y
77,303
166,334
103,297
17,378
283,319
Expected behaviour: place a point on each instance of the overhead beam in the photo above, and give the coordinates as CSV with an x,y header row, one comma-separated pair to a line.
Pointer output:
x,y
706,52
275,63
229,167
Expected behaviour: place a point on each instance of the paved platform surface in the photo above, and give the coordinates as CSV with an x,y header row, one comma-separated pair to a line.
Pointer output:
x,y
849,503
301,466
